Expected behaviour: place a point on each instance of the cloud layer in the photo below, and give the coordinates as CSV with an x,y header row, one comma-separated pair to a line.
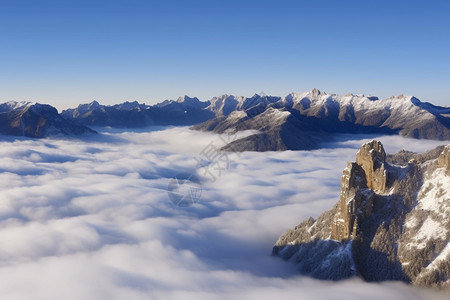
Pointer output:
x,y
91,219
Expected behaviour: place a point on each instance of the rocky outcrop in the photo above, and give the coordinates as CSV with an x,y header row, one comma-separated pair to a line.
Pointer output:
x,y
392,222
354,204
444,159
371,158
359,181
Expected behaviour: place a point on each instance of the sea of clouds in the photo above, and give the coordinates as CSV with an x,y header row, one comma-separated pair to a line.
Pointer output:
x,y
91,218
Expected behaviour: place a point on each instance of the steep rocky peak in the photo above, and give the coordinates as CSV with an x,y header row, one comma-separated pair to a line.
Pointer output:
x,y
373,150
355,203
262,94
371,157
358,182
187,99
94,104
444,159
315,92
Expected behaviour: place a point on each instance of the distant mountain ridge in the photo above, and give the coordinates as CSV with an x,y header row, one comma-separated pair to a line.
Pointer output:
x,y
307,119
36,120
184,111
391,222
299,121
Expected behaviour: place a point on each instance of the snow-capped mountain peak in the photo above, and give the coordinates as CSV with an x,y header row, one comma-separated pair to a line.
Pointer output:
x,y
12,105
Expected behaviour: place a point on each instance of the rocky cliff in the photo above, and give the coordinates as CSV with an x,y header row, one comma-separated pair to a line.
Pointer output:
x,y
444,159
392,222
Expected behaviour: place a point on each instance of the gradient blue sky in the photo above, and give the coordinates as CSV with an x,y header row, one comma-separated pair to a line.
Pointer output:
x,y
70,52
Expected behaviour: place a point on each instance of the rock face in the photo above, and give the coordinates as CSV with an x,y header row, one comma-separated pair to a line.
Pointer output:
x,y
392,222
358,183
444,159
354,204
371,158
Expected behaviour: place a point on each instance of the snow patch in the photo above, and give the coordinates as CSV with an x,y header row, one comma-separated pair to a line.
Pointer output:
x,y
430,229
434,196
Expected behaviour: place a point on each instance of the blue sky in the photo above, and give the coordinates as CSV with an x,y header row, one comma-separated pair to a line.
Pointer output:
x,y
70,52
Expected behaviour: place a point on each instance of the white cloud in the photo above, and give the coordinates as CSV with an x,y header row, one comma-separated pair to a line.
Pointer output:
x,y
91,219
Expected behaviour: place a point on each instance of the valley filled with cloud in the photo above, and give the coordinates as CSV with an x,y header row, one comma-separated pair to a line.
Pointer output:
x,y
91,218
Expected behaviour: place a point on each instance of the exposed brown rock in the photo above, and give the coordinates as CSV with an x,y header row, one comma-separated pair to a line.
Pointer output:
x,y
355,202
444,159
371,158
357,182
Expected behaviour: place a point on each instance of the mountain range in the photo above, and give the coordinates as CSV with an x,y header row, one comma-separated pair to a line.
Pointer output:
x,y
184,111
36,120
391,222
299,121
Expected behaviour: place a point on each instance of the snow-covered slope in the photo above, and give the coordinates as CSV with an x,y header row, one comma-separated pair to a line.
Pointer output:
x,y
13,105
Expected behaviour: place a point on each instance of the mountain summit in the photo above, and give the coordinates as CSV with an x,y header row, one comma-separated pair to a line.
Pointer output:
x,y
392,222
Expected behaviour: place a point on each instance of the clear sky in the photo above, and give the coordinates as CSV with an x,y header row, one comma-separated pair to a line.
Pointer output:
x,y
69,52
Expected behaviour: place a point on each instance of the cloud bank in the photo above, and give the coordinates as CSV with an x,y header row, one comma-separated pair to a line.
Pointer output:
x,y
91,219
